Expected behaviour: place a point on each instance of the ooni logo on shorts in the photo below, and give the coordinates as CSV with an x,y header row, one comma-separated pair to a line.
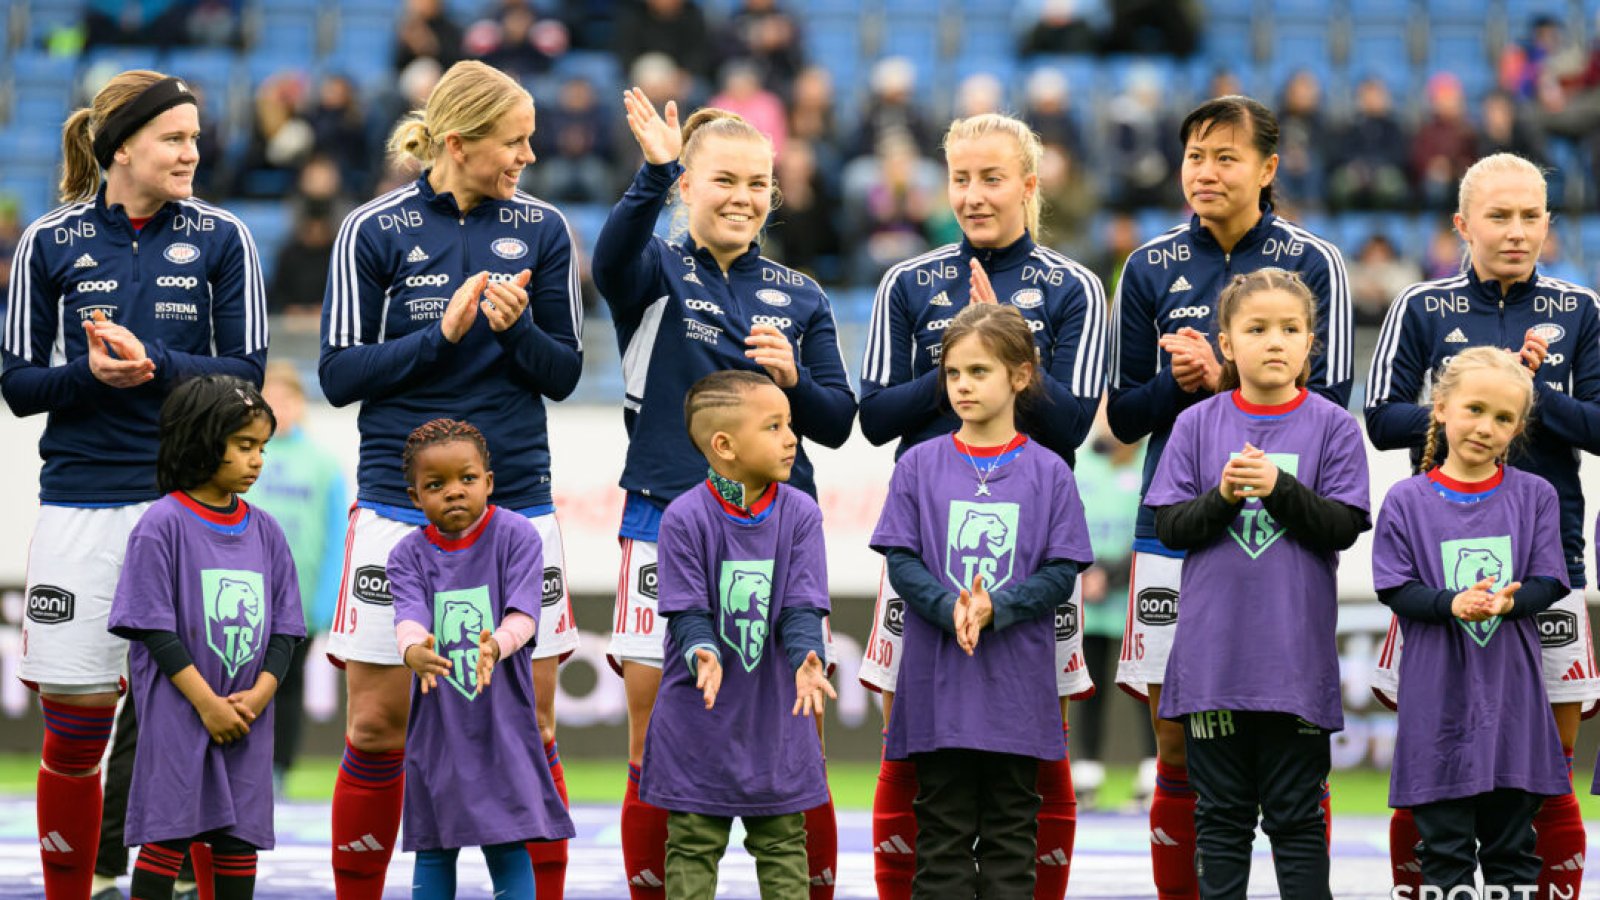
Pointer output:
x,y
236,615
1557,628
1156,606
745,589
647,581
48,604
458,618
981,541
894,616
554,589
371,585
1470,561
1066,621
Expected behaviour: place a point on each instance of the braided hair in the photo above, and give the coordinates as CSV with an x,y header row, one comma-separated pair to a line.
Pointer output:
x,y
1491,358
441,431
718,391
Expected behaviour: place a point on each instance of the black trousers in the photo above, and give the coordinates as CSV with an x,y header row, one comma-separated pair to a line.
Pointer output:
x,y
1493,829
289,705
976,825
112,861
1246,765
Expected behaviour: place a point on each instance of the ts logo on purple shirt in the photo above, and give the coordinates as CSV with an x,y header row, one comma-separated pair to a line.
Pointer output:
x,y
745,594
981,541
458,618
1255,529
1471,560
235,615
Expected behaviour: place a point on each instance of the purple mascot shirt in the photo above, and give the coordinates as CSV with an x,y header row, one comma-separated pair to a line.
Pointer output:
x,y
225,584
475,768
1474,717
748,755
1258,609
1003,698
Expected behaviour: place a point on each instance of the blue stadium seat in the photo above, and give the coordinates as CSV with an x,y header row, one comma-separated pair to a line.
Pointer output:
x,y
1457,50
1462,11
1082,72
1589,236
987,39
213,70
45,18
41,106
600,69
918,41
33,68
117,59
269,223
1230,45
1316,12
1229,14
288,36
1391,13
586,220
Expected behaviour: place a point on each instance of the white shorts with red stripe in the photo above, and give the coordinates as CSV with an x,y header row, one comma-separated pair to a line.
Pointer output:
x,y
1151,624
363,625
74,562
637,633
880,665
1566,651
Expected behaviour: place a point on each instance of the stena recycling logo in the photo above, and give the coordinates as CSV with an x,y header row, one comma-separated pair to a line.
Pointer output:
x,y
181,253
509,248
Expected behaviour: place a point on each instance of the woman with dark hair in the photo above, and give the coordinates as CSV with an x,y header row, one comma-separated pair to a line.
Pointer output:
x,y
116,296
1163,361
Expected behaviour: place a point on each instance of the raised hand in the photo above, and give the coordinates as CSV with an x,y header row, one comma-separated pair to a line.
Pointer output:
x,y
661,140
504,301
811,687
773,352
709,678
428,665
1475,603
982,291
488,656
463,308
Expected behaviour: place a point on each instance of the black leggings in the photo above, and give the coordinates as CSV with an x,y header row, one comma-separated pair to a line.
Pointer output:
x,y
233,863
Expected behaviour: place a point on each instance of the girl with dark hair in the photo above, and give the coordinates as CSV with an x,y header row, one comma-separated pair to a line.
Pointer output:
x,y
1263,484
116,296
1163,362
983,535
202,562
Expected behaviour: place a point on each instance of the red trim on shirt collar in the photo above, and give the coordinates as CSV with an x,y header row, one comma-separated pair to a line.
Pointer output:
x,y
140,222
1437,476
1256,409
209,514
1001,450
437,538
762,504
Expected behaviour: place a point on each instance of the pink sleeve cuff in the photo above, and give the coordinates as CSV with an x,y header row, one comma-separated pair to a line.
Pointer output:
x,y
515,631
408,634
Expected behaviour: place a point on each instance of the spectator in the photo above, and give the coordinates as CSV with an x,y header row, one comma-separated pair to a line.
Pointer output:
x,y
1143,142
662,80
896,206
10,233
893,109
426,30
573,146
1050,112
1523,64
1058,30
803,229
1070,197
212,177
1553,262
340,126
768,38
163,23
516,41
1164,27
1445,258
301,486
280,140
1120,240
1302,139
979,93
1445,143
301,275
676,28
1368,161
1224,82
811,115
1378,274
743,93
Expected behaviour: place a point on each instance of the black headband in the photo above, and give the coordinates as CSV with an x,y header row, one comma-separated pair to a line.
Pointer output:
x,y
132,116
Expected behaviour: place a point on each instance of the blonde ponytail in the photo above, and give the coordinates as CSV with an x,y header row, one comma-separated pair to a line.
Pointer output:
x,y
704,123
80,172
468,101
1030,150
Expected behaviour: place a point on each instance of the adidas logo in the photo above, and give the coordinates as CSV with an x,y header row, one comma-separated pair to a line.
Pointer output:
x,y
940,299
893,846
692,278
1158,836
1056,857
416,255
824,879
54,843
1575,864
646,879
1574,674
84,262
366,844
1456,337
1182,284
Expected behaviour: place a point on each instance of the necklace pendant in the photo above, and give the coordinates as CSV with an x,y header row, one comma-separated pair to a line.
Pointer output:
x,y
983,490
